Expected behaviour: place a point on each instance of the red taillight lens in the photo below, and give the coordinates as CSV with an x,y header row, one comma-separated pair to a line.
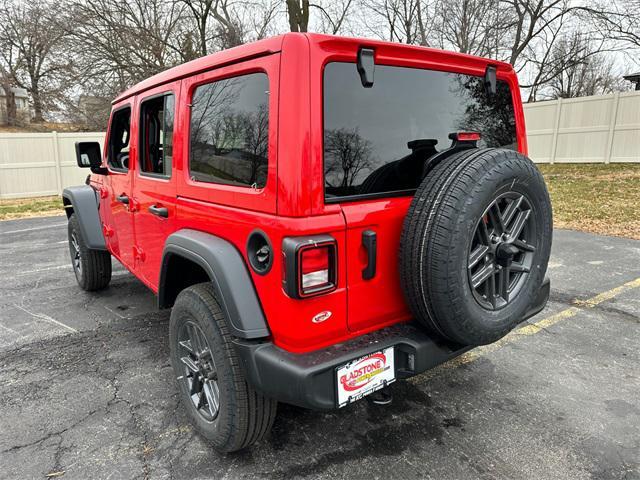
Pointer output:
x,y
314,268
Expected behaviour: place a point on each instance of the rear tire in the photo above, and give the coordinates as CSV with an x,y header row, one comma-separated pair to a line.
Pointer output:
x,y
91,267
243,416
454,285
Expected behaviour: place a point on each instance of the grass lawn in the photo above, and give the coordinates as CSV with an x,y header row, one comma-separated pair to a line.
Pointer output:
x,y
30,207
596,198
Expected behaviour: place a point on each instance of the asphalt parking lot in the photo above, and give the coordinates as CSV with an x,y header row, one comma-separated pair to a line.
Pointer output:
x,y
87,392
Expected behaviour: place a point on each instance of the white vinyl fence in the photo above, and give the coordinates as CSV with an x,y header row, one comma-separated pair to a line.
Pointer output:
x,y
599,129
39,164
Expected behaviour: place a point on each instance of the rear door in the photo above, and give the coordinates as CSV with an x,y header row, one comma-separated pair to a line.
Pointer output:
x,y
116,190
154,191
376,141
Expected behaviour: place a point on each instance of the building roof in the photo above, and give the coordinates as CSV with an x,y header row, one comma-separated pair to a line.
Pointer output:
x,y
633,77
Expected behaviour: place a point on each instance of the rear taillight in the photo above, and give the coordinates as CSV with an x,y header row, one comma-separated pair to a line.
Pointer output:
x,y
309,265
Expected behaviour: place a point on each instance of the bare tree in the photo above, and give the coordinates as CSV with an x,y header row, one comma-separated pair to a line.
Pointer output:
x,y
619,21
7,81
109,45
35,40
200,11
256,137
229,27
221,24
582,70
397,20
529,20
347,154
471,26
262,18
333,15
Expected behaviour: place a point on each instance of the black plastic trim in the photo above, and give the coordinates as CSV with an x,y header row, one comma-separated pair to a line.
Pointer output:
x,y
370,196
366,66
490,79
84,201
162,212
308,380
369,241
229,274
257,233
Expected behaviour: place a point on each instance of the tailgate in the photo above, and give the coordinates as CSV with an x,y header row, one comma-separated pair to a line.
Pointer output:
x,y
379,300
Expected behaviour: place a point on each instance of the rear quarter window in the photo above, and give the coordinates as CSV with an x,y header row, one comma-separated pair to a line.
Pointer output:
x,y
377,139
229,131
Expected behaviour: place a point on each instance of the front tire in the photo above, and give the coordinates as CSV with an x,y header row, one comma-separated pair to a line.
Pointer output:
x,y
91,267
221,404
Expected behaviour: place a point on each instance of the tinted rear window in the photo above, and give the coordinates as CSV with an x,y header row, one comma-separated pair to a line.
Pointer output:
x,y
367,130
230,131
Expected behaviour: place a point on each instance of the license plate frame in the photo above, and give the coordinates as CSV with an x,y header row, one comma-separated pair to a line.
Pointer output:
x,y
365,375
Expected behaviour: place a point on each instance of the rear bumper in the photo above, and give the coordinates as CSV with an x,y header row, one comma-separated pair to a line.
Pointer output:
x,y
309,380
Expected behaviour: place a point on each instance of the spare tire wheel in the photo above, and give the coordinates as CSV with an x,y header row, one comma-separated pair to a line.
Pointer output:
x,y
475,244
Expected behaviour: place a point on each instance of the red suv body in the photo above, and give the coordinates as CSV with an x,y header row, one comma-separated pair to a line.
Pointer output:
x,y
319,253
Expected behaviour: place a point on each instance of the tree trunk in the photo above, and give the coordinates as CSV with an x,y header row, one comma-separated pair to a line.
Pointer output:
x,y
10,102
37,105
298,11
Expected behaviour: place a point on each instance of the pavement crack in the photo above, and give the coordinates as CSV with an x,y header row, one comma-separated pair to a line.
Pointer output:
x,y
50,435
146,448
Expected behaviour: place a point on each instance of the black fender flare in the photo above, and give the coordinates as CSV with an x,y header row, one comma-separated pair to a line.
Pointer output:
x,y
85,203
229,274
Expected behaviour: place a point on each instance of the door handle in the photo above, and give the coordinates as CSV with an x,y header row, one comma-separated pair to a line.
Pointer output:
x,y
159,211
123,199
369,241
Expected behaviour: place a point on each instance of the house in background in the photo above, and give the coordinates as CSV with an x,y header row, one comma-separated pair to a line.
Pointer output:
x,y
23,112
634,78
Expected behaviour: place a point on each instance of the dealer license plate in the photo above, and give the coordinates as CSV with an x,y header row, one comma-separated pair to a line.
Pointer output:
x,y
365,375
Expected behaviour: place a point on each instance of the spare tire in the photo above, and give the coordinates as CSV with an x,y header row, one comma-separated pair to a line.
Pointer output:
x,y
475,244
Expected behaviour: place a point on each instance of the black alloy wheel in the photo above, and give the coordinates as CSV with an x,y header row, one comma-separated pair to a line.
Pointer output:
x,y
200,373
502,251
76,254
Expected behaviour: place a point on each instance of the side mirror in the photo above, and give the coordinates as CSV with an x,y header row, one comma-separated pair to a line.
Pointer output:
x,y
89,155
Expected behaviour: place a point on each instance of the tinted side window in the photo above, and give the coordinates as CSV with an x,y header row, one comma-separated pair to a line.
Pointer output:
x,y
377,139
156,135
229,134
119,140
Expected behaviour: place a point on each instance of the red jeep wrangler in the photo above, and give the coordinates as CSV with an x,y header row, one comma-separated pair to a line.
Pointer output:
x,y
324,215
